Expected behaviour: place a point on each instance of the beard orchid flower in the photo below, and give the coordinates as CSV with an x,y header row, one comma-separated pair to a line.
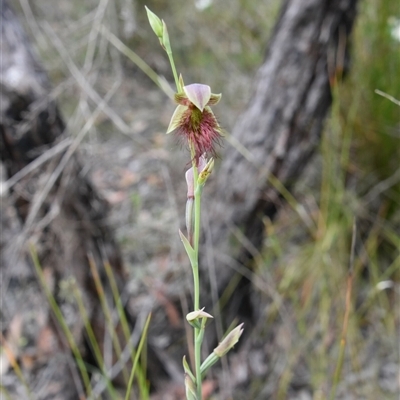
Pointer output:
x,y
194,120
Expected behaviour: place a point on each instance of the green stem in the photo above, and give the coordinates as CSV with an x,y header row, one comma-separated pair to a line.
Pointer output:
x,y
199,332
197,355
196,235
171,61
196,239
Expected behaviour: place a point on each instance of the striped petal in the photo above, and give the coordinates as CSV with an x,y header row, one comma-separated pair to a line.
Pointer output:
x,y
198,94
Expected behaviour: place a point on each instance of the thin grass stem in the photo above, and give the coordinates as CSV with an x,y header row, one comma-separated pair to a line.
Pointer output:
x,y
93,341
11,358
60,318
342,348
141,378
107,313
135,362
138,61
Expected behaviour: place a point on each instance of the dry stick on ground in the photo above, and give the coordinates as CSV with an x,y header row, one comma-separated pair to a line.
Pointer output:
x,y
65,225
279,129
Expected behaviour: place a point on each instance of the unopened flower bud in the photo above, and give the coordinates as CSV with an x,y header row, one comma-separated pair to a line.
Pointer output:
x,y
230,340
189,175
155,23
192,316
190,183
206,172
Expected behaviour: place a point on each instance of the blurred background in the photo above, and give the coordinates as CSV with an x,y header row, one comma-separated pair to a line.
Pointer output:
x,y
99,47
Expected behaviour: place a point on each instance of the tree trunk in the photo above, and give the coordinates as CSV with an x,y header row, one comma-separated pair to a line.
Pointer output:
x,y
277,133
54,209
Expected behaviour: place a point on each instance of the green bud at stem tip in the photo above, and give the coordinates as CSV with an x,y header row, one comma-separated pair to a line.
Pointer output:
x,y
155,23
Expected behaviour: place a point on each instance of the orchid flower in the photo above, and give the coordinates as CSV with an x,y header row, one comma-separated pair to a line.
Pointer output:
x,y
194,120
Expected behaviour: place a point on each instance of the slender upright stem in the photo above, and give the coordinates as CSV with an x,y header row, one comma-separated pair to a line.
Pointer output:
x,y
192,242
196,239
172,62
199,332
342,346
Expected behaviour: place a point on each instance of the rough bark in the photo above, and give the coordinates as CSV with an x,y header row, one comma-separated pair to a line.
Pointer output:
x,y
278,131
54,208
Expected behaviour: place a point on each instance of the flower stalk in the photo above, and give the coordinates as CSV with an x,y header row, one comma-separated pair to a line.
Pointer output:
x,y
194,121
199,332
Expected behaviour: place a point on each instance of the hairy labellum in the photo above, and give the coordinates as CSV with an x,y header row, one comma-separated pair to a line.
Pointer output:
x,y
194,120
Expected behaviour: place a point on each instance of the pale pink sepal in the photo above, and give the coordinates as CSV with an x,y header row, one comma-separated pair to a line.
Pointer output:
x,y
189,175
198,94
190,182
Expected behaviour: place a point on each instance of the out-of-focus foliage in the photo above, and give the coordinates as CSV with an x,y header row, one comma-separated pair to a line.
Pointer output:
x,y
221,43
376,123
356,177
